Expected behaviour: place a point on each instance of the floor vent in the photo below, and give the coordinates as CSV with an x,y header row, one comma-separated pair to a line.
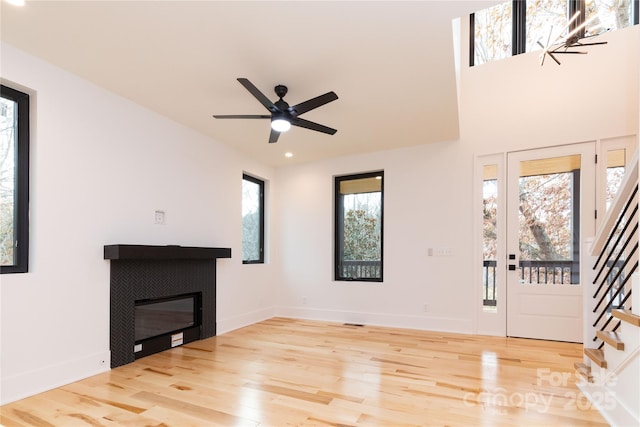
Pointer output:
x,y
354,324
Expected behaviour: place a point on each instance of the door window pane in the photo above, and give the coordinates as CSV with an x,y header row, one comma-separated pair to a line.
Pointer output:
x,y
549,220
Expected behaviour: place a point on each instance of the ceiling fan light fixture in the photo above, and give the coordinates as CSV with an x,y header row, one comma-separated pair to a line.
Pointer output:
x,y
280,125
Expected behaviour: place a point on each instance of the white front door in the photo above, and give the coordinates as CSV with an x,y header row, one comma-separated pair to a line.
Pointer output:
x,y
550,208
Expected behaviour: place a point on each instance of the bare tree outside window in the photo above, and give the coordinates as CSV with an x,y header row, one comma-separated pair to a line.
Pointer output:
x,y
546,217
612,14
492,33
545,20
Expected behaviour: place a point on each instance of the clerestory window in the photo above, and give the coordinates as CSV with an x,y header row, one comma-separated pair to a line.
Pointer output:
x,y
519,26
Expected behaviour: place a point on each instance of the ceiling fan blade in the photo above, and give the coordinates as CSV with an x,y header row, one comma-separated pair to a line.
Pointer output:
x,y
241,116
296,121
310,104
258,95
273,136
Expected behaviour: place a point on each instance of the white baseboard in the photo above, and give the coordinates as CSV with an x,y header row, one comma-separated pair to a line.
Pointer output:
x,y
606,402
27,384
428,323
236,322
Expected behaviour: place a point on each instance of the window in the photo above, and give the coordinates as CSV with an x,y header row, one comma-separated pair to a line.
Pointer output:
x,y
613,14
489,236
520,26
615,174
543,17
358,227
492,30
252,220
14,181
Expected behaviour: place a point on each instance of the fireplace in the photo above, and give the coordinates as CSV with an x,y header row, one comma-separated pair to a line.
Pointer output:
x,y
173,280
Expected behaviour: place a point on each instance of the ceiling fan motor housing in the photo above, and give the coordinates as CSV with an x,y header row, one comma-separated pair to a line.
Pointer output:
x,y
281,91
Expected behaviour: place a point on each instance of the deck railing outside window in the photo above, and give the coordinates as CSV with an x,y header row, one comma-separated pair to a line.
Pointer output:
x,y
360,269
540,272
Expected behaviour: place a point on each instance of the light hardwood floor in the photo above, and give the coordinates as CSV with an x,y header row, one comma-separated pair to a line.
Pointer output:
x,y
286,372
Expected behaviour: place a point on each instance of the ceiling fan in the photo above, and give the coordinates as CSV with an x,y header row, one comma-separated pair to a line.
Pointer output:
x,y
282,115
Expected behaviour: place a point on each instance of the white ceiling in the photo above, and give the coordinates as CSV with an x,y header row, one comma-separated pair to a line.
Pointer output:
x,y
391,64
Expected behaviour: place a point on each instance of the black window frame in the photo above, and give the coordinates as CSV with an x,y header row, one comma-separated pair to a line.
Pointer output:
x,y
261,184
338,226
519,24
21,177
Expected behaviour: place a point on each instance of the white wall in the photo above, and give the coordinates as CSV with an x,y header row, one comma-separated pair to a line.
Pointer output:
x,y
421,203
504,106
100,167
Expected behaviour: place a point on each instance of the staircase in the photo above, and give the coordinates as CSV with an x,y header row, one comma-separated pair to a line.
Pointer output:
x,y
610,373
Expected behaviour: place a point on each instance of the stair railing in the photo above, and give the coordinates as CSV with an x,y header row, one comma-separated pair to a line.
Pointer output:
x,y
615,248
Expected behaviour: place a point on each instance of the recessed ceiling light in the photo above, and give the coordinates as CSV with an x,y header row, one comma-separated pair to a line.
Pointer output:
x,y
287,155
16,2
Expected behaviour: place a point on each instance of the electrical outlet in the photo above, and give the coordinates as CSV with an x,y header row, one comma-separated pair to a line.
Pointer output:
x,y
304,300
160,217
439,252
426,308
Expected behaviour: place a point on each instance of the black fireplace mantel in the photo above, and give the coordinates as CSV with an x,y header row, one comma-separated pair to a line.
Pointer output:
x,y
139,252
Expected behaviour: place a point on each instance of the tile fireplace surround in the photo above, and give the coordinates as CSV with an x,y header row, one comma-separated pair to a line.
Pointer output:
x,y
147,272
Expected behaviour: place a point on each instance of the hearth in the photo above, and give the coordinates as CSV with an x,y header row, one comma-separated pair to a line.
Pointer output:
x,y
173,279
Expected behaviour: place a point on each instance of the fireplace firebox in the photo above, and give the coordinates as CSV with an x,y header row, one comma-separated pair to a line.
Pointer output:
x,y
162,323
174,279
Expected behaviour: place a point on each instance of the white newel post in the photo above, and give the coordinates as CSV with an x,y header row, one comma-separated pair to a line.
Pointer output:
x,y
635,294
